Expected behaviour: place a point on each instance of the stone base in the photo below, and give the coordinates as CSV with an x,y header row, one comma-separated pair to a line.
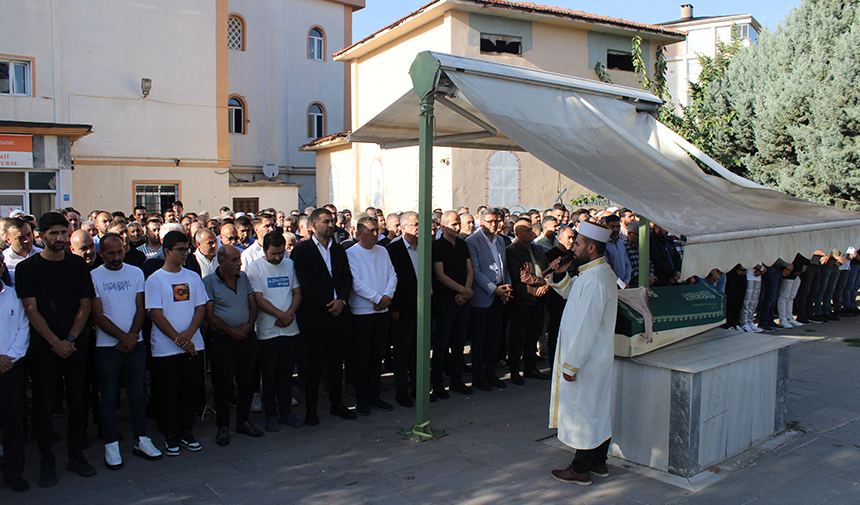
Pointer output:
x,y
688,406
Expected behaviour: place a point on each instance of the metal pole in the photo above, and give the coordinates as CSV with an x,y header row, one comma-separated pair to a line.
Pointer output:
x,y
644,252
422,430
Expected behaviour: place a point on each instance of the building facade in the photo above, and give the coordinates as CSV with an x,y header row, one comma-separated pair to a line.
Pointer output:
x,y
357,175
703,34
131,102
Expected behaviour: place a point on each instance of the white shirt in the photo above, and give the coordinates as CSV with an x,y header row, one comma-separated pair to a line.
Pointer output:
x,y
373,277
413,255
11,258
206,267
14,326
251,254
326,256
276,283
117,290
499,262
178,295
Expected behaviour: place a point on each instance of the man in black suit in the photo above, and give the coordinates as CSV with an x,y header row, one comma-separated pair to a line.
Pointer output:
x,y
324,319
667,261
404,307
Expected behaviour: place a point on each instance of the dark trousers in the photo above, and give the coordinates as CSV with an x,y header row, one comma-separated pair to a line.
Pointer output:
x,y
555,308
13,396
584,459
770,284
369,341
452,323
47,368
841,282
176,383
131,366
404,334
485,327
326,344
736,288
277,361
829,276
805,301
526,327
230,358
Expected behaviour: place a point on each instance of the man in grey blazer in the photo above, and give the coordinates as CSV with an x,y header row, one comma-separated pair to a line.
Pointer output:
x,y
492,287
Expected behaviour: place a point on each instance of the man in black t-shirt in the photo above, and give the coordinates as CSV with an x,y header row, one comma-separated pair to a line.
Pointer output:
x,y
57,291
452,289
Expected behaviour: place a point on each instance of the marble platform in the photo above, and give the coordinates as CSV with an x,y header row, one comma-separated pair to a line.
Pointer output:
x,y
688,406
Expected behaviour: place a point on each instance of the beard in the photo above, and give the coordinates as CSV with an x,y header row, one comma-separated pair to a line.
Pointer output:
x,y
578,261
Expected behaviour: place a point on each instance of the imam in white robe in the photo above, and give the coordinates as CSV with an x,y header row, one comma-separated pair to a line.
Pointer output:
x,y
581,409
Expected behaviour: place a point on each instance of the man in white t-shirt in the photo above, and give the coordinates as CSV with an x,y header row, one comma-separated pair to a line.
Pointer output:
x,y
118,312
176,301
19,235
278,295
373,284
253,252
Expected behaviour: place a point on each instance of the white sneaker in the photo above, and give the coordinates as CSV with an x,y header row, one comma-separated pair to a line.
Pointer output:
x,y
786,325
747,328
256,404
756,329
795,322
113,459
146,449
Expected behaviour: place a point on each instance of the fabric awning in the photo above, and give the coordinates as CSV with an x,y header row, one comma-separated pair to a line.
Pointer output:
x,y
605,138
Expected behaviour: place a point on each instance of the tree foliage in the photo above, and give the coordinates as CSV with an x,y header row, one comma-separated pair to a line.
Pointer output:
x,y
786,112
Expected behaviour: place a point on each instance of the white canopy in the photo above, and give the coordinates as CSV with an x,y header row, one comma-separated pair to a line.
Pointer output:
x,y
604,137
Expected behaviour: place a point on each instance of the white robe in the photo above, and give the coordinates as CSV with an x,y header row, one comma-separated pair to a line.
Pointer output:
x,y
581,409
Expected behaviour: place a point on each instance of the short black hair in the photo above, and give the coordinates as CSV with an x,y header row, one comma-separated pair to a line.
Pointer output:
x,y
316,215
111,235
273,239
50,219
138,207
244,221
172,238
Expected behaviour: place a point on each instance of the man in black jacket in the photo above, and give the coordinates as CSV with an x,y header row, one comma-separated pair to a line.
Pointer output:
x,y
667,261
324,319
404,307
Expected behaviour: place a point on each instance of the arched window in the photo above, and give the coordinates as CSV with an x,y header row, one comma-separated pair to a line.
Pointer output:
x,y
377,184
236,33
236,116
503,179
316,44
333,189
316,121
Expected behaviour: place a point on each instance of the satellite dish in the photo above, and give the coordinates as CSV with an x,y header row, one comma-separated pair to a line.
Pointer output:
x,y
271,170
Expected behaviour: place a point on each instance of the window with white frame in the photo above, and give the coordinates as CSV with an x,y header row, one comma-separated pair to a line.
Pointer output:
x,y
316,121
235,33
700,41
503,180
316,45
14,77
155,196
236,116
32,191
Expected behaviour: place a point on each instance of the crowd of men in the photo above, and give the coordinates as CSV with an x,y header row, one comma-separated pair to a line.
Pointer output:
x,y
312,299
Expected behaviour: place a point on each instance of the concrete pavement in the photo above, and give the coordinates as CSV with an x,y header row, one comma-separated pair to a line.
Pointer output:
x,y
498,451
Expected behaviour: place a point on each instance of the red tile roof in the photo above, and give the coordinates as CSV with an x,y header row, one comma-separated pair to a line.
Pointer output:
x,y
535,8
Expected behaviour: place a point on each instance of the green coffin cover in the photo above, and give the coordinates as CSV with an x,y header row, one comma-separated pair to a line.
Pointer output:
x,y
674,307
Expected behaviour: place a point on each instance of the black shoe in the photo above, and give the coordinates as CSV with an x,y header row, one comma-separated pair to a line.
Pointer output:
x,y
311,419
223,436
516,378
803,319
249,429
832,316
460,387
378,403
18,484
48,476
362,408
815,319
439,391
402,399
79,465
495,381
534,373
766,329
481,384
342,411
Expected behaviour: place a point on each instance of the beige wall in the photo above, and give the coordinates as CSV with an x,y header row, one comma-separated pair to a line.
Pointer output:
x,y
279,196
111,187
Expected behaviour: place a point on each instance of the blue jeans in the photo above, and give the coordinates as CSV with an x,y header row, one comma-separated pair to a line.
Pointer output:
x,y
849,296
829,276
132,366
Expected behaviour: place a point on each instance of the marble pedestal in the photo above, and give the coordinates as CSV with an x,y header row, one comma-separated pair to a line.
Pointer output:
x,y
688,406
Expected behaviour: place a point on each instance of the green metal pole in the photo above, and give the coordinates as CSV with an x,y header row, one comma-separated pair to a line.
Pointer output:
x,y
644,251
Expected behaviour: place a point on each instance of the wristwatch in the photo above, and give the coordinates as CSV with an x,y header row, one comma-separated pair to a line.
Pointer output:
x,y
71,338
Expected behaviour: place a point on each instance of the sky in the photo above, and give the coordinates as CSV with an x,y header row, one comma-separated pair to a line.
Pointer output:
x,y
379,13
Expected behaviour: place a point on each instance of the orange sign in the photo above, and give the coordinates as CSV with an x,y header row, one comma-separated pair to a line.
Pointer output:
x,y
16,151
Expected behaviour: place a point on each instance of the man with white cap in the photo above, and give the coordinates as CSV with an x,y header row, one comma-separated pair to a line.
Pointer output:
x,y
582,372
